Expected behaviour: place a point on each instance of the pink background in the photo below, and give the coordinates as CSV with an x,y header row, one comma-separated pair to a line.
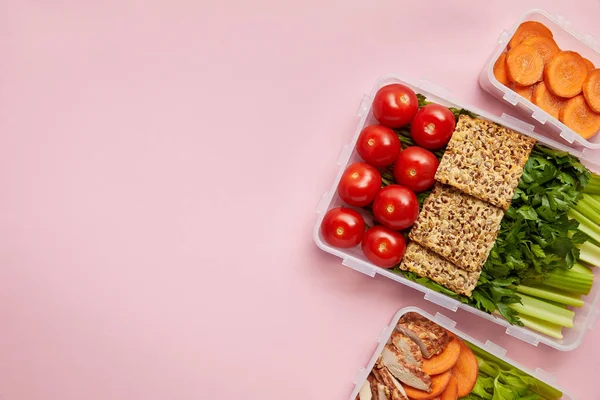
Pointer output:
x,y
160,163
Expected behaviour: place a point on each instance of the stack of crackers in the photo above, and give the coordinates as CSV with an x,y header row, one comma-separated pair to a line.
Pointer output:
x,y
460,220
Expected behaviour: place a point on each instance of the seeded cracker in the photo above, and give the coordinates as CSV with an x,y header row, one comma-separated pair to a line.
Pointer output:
x,y
457,226
426,263
485,160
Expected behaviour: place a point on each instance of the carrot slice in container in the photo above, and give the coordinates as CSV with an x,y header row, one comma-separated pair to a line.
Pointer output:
x,y
525,65
591,90
589,64
465,370
565,73
528,29
438,385
500,70
577,115
443,361
546,46
451,392
547,101
525,91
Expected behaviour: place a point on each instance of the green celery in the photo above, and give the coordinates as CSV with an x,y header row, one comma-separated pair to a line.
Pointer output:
x,y
567,280
541,326
592,201
582,269
585,225
585,209
593,185
589,253
539,387
552,294
545,311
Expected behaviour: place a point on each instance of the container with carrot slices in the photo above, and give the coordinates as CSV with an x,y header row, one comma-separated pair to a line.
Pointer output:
x,y
549,72
424,357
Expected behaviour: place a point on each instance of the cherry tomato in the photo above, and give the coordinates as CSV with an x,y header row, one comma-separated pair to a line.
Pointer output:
x,y
343,227
396,207
433,126
378,145
383,247
359,184
415,168
395,105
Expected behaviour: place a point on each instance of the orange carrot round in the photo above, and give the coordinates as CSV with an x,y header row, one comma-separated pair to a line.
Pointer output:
x,y
500,70
577,115
465,370
565,73
546,46
528,29
525,65
525,91
589,64
547,101
451,391
438,385
591,90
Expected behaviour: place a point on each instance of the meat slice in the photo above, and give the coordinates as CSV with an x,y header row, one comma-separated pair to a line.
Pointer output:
x,y
393,360
378,390
365,392
410,350
383,375
431,338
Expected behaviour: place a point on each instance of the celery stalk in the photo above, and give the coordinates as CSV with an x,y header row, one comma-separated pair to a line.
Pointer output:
x,y
582,269
578,279
551,294
540,309
589,253
541,388
585,225
541,326
585,209
592,201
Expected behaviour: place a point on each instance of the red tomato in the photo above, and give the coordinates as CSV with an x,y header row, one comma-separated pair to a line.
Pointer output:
x,y
378,145
395,105
415,168
383,247
433,126
396,207
343,227
359,184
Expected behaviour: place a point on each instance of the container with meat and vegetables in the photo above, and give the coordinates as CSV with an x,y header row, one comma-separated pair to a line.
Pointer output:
x,y
422,357
551,73
465,207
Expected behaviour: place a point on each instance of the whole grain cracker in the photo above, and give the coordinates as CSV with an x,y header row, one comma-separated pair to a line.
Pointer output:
x,y
485,160
458,227
426,263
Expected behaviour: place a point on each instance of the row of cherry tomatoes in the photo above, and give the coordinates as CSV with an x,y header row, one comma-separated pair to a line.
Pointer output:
x,y
394,206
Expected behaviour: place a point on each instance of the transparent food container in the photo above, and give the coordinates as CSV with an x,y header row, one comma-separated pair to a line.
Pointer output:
x,y
449,325
585,317
567,39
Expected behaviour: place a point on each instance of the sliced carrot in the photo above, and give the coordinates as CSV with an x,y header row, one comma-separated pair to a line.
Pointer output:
x,y
589,64
525,65
451,392
591,90
528,29
443,361
547,101
577,115
546,46
438,385
565,73
525,91
465,370
500,70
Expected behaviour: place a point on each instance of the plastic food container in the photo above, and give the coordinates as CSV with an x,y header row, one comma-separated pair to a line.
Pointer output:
x,y
585,317
567,39
450,325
